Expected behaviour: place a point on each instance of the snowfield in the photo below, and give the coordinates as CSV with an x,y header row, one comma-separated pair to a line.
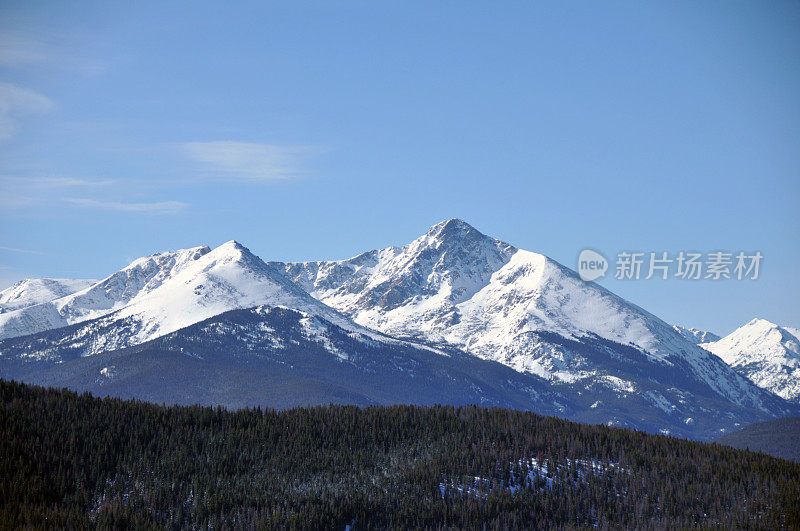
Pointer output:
x,y
33,291
453,292
766,353
459,287
162,293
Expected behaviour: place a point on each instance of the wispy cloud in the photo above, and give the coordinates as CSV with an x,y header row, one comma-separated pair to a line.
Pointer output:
x,y
248,161
20,251
70,182
160,207
23,192
62,50
27,192
18,50
15,102
58,182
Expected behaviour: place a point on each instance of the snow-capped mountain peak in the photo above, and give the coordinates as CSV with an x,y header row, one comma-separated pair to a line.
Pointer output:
x,y
453,291
166,291
446,265
33,291
226,278
114,292
452,231
233,250
456,286
758,340
766,353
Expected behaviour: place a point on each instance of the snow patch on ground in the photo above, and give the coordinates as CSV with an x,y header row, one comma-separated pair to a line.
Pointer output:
x,y
316,331
618,384
660,402
531,474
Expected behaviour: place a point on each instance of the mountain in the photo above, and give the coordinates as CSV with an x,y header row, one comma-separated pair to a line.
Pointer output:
x,y
222,327
34,291
777,437
454,286
268,356
278,357
106,296
766,353
453,317
159,294
696,336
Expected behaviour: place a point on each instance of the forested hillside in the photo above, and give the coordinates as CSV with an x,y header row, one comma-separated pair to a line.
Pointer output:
x,y
69,460
779,437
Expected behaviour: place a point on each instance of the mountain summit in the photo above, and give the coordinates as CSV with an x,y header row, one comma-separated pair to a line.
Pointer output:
x,y
139,278
457,287
454,230
445,266
766,353
32,291
454,310
161,293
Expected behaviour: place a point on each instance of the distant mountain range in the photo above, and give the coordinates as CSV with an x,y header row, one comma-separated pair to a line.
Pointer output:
x,y
453,317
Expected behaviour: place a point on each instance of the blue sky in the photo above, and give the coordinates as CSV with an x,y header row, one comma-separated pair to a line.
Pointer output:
x,y
310,130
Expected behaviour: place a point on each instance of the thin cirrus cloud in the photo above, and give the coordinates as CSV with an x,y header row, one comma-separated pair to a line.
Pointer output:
x,y
24,192
19,251
27,192
16,102
159,207
17,50
247,161
58,182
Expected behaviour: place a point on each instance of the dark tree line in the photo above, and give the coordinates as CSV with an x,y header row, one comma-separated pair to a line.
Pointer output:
x,y
69,460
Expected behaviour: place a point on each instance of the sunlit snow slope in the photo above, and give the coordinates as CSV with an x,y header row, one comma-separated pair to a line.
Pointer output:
x,y
696,336
456,286
465,301
165,292
766,353
34,291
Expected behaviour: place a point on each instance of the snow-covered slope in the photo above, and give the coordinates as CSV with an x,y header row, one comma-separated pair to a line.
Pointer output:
x,y
410,290
162,293
106,296
696,336
268,356
457,286
33,291
463,298
279,357
766,353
